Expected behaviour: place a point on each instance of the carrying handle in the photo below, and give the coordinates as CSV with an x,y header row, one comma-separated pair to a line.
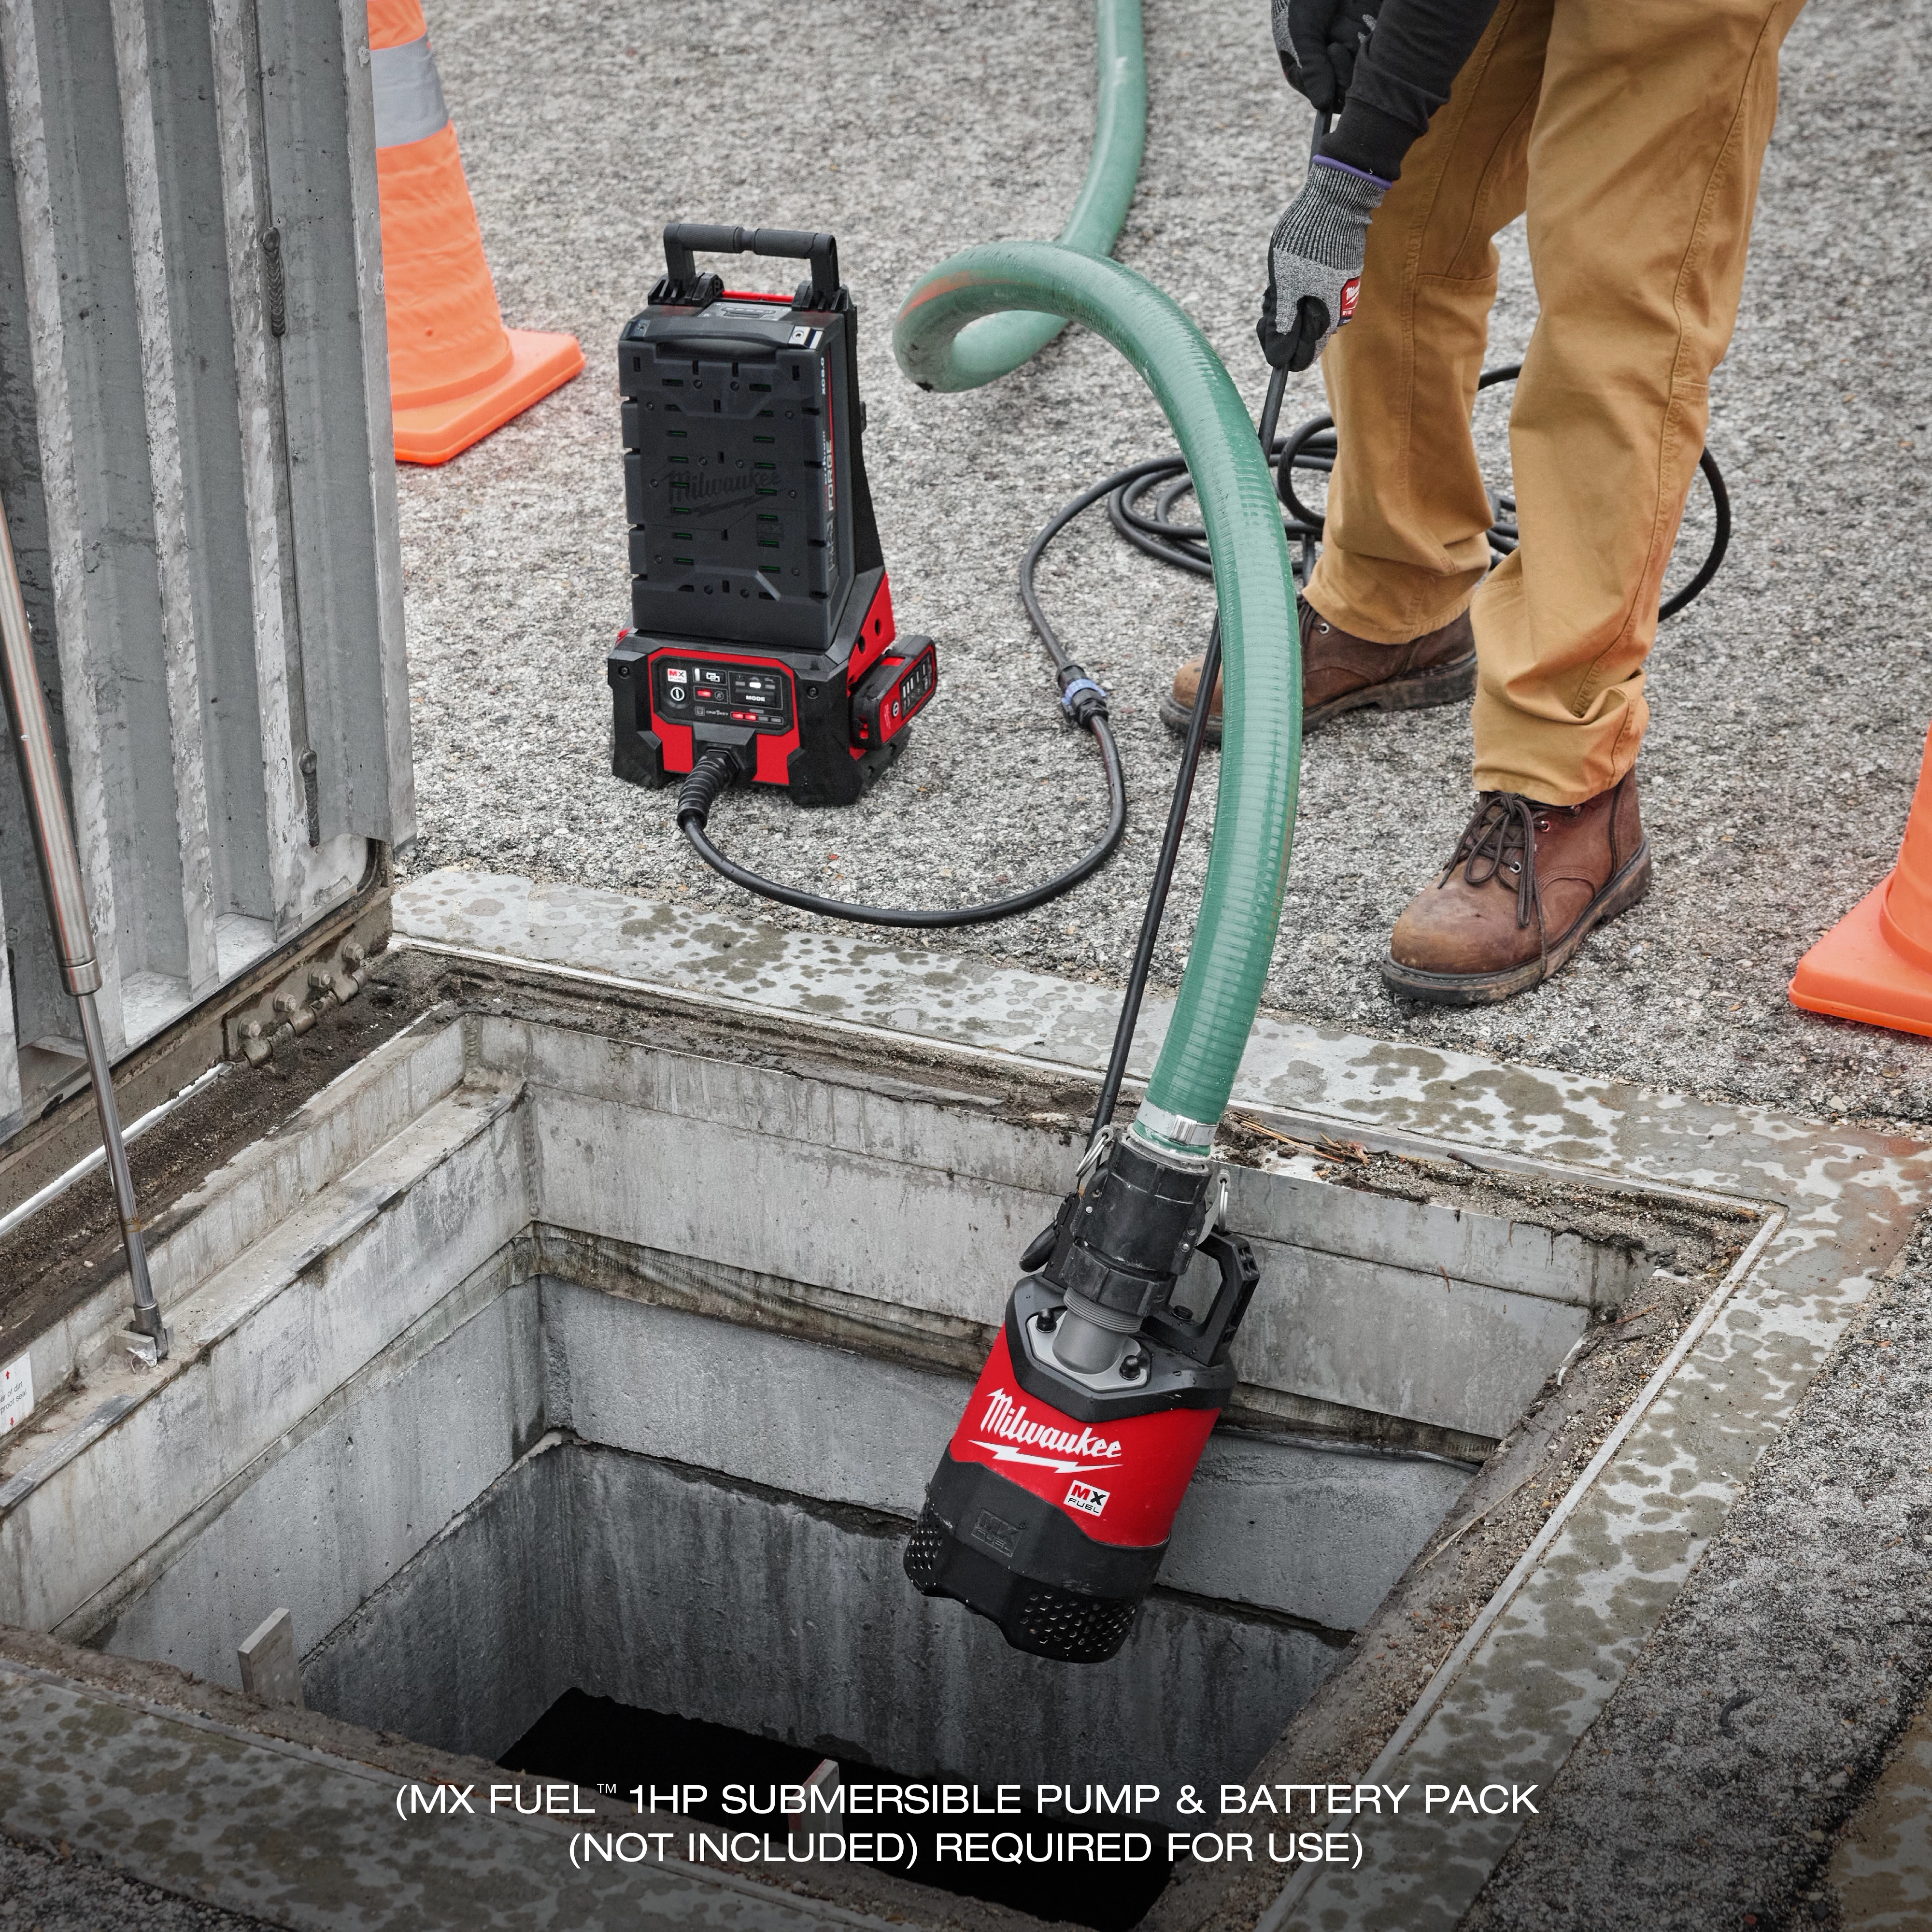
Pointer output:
x,y
683,239
1206,1339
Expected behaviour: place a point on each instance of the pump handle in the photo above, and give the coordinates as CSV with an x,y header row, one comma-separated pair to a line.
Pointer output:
x,y
1207,1339
682,239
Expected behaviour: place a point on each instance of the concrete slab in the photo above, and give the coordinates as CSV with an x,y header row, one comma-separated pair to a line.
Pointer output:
x,y
307,1840
1882,1866
1314,1531
115,1464
336,1505
1755,1728
878,1188
670,1588
257,1190
1407,1093
1541,1664
455,1584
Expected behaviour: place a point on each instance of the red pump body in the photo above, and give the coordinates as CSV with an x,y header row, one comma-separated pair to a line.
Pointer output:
x,y
1120,1483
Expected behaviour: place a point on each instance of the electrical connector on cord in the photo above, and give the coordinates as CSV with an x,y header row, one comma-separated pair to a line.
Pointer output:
x,y
1080,698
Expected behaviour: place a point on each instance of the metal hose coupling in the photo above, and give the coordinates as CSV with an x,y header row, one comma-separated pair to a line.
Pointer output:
x,y
1122,1242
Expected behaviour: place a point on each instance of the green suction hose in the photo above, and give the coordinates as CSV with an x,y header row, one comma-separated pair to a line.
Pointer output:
x,y
996,345
1260,642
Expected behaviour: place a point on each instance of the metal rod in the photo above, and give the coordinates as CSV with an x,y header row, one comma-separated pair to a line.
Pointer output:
x,y
67,907
147,1312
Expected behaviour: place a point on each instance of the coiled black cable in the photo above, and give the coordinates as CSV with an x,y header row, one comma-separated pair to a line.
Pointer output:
x,y
1310,448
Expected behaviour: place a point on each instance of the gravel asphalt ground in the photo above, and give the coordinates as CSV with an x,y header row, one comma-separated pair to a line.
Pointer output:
x,y
1790,703
45,1890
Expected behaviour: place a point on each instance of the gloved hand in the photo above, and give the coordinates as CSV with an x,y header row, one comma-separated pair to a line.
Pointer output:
x,y
1315,262
1318,41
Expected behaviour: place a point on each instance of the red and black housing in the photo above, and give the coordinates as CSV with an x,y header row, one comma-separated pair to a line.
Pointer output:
x,y
761,616
1052,1505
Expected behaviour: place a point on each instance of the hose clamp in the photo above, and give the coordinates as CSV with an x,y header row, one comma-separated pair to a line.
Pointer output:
x,y
1175,1131
1215,1207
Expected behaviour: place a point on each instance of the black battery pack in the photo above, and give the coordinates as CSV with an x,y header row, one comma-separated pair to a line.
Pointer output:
x,y
761,614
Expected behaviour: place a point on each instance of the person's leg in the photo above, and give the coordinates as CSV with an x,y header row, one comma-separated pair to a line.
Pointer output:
x,y
1407,519
1385,622
1643,171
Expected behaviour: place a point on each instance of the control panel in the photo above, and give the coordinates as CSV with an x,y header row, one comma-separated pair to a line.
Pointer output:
x,y
693,690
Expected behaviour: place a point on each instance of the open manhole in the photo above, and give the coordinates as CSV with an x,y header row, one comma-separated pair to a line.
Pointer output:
x,y
578,1347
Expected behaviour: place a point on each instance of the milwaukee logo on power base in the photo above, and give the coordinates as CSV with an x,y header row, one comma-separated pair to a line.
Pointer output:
x,y
1094,1373
682,492
741,420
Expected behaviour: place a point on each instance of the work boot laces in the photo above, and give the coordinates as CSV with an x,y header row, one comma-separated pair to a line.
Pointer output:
x,y
1499,843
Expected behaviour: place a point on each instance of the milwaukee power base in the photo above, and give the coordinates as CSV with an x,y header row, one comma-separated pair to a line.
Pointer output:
x,y
762,620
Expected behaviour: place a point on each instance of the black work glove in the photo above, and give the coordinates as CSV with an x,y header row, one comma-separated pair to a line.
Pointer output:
x,y
1315,262
1319,41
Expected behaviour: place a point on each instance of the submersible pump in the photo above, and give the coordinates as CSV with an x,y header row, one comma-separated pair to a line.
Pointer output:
x,y
1052,1505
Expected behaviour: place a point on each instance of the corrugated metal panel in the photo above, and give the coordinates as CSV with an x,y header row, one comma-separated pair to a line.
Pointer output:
x,y
195,461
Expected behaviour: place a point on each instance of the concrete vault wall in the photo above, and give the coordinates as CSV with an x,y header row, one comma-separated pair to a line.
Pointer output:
x,y
712,1526
532,1355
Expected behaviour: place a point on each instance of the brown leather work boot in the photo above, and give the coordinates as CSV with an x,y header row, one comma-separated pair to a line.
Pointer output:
x,y
1341,672
1526,884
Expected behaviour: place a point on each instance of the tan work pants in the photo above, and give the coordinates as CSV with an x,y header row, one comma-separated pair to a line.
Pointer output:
x,y
1633,131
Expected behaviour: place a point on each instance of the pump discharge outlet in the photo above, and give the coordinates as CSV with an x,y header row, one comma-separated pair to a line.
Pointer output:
x,y
1052,1505
761,616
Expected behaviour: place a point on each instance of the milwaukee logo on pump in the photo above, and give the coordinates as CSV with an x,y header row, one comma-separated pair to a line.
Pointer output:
x,y
1003,1419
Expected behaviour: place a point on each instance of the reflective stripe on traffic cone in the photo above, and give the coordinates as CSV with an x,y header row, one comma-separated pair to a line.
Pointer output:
x,y
1875,963
455,372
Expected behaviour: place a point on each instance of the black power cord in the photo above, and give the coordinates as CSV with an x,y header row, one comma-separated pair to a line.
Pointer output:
x,y
1311,448
1083,701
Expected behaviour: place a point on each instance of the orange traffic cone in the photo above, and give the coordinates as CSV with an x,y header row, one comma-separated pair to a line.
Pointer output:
x,y
455,372
1875,963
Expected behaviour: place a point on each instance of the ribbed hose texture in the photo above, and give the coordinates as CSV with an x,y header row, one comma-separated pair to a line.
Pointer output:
x,y
996,345
1261,753
711,775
